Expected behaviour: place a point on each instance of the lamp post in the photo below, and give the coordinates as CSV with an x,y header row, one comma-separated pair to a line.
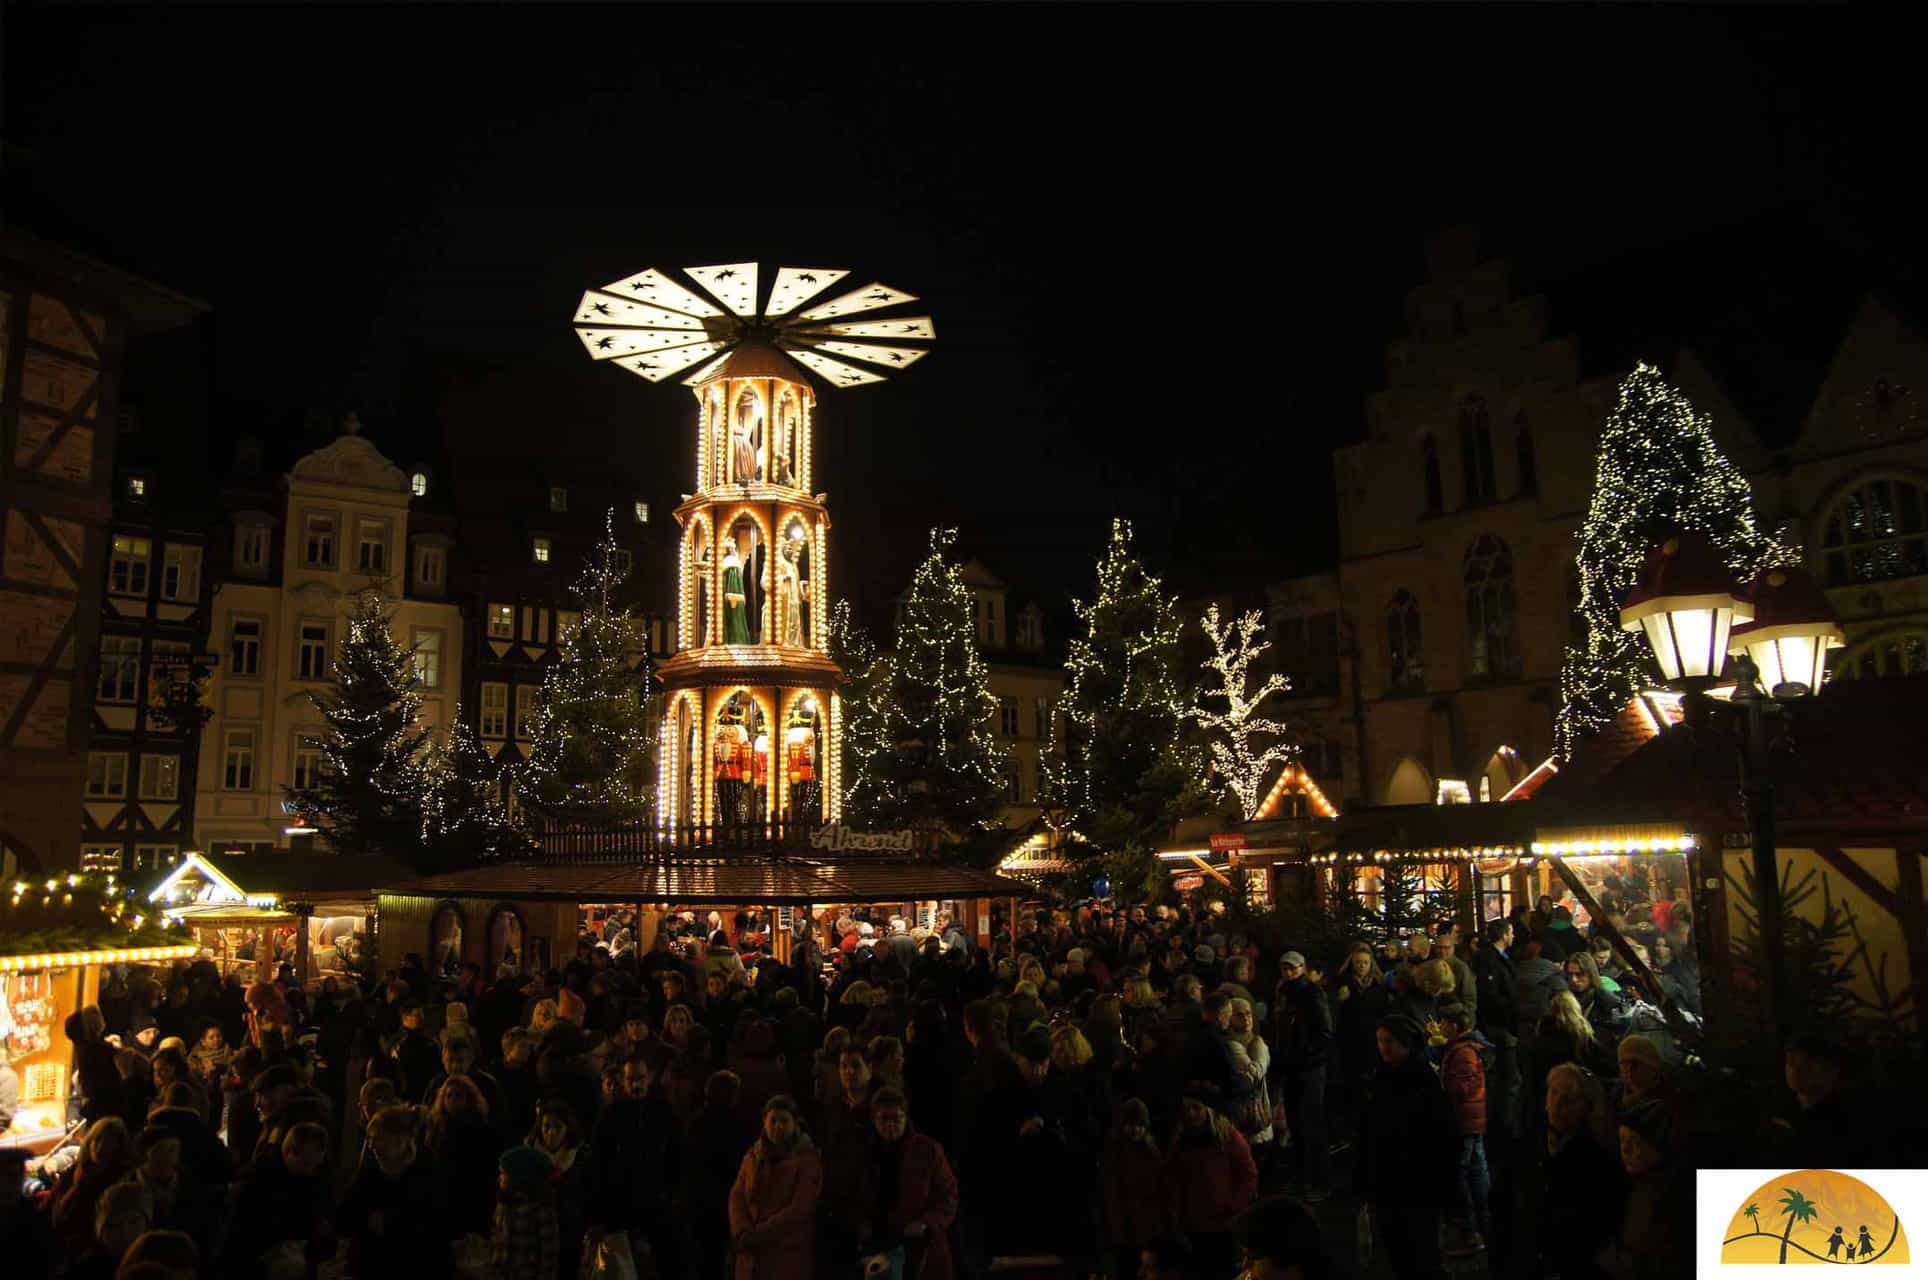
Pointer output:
x,y
1779,633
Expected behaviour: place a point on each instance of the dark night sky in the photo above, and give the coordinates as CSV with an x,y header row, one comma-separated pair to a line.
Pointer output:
x,y
1114,214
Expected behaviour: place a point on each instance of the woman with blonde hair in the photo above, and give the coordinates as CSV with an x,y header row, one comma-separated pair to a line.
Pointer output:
x,y
1251,1062
1575,1202
465,1146
542,1016
852,1007
829,1087
106,1157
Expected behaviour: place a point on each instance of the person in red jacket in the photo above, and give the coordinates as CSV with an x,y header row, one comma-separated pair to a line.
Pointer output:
x,y
1134,1192
1462,1073
1209,1180
909,1194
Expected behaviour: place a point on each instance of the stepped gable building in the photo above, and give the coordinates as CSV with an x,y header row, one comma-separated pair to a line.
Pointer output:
x,y
295,552
66,323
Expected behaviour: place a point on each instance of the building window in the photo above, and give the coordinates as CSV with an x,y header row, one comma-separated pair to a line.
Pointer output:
x,y
1492,639
622,561
418,484
160,777
1875,532
428,568
642,513
1435,491
501,622
106,775
120,668
371,546
181,573
567,620
309,761
1030,629
100,857
542,550
237,760
251,548
428,658
137,487
558,498
311,657
1041,710
244,647
127,567
1523,456
149,857
1013,782
526,696
1406,669
1007,710
535,625
318,542
1476,451
169,662
495,710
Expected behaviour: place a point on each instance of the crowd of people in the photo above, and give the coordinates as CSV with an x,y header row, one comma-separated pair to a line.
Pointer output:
x,y
1098,1093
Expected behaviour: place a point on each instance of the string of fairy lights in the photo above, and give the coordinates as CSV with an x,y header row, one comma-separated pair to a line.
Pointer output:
x,y
1659,469
1246,746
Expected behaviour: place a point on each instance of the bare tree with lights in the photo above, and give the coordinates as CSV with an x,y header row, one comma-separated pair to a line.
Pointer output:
x,y
1247,747
1659,470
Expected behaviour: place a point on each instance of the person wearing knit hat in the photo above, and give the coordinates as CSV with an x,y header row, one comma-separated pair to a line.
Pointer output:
x,y
527,1236
525,1169
1643,1072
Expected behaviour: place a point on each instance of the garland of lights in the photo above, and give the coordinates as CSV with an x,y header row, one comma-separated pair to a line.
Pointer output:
x,y
593,734
463,820
368,794
1659,470
864,701
1236,732
1122,774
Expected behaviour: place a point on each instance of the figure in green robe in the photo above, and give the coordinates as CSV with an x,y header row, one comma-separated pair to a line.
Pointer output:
x,y
736,613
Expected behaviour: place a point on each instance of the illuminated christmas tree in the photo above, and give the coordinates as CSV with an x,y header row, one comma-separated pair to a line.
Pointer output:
x,y
1122,776
463,821
593,733
940,768
1247,748
1659,470
866,714
368,795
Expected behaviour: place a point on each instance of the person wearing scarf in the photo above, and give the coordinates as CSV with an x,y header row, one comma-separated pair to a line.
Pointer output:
x,y
773,1206
908,1193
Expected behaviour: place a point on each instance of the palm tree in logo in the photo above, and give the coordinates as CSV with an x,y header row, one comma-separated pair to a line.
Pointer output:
x,y
1798,1208
1753,1215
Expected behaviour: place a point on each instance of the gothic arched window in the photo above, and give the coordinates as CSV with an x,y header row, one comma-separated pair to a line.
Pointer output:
x,y
1476,450
1435,492
1492,633
1523,455
1875,531
1406,667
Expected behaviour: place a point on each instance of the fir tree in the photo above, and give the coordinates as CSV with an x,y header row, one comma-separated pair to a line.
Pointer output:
x,y
1659,470
865,701
1246,747
463,822
940,769
368,797
1122,775
593,733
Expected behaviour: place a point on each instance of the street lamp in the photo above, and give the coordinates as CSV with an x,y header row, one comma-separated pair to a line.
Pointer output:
x,y
1688,605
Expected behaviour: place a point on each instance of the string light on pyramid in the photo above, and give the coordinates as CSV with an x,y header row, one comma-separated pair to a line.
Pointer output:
x,y
657,323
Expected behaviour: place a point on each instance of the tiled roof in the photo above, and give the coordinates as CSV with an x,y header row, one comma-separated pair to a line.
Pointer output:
x,y
1850,759
716,882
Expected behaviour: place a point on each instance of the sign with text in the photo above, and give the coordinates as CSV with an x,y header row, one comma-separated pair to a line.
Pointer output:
x,y
837,838
1228,842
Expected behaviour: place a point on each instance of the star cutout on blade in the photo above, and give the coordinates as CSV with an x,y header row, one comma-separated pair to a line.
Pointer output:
x,y
878,297
725,275
601,308
898,358
605,343
806,278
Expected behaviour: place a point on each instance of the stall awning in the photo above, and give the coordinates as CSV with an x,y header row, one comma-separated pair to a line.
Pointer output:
x,y
715,883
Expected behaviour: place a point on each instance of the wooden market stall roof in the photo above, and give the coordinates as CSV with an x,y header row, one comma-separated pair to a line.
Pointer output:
x,y
265,880
1854,762
715,882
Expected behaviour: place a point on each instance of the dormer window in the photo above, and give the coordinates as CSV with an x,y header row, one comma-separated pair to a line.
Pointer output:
x,y
137,487
418,484
558,498
542,550
642,513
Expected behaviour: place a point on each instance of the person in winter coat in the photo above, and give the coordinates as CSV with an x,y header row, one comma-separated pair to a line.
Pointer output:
x,y
525,1242
465,1146
1462,1073
1253,1057
557,1135
1303,1040
1656,1228
908,1196
1360,999
636,1153
284,1203
107,1155
395,1215
773,1204
1576,1198
713,1149
1405,1161
1537,979
1209,1180
1132,1172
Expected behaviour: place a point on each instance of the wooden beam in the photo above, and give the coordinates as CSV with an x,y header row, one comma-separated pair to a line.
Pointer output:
x,y
1211,871
1859,876
1675,1023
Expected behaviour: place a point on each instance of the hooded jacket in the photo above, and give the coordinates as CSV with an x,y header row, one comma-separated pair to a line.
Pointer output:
x,y
1462,1073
